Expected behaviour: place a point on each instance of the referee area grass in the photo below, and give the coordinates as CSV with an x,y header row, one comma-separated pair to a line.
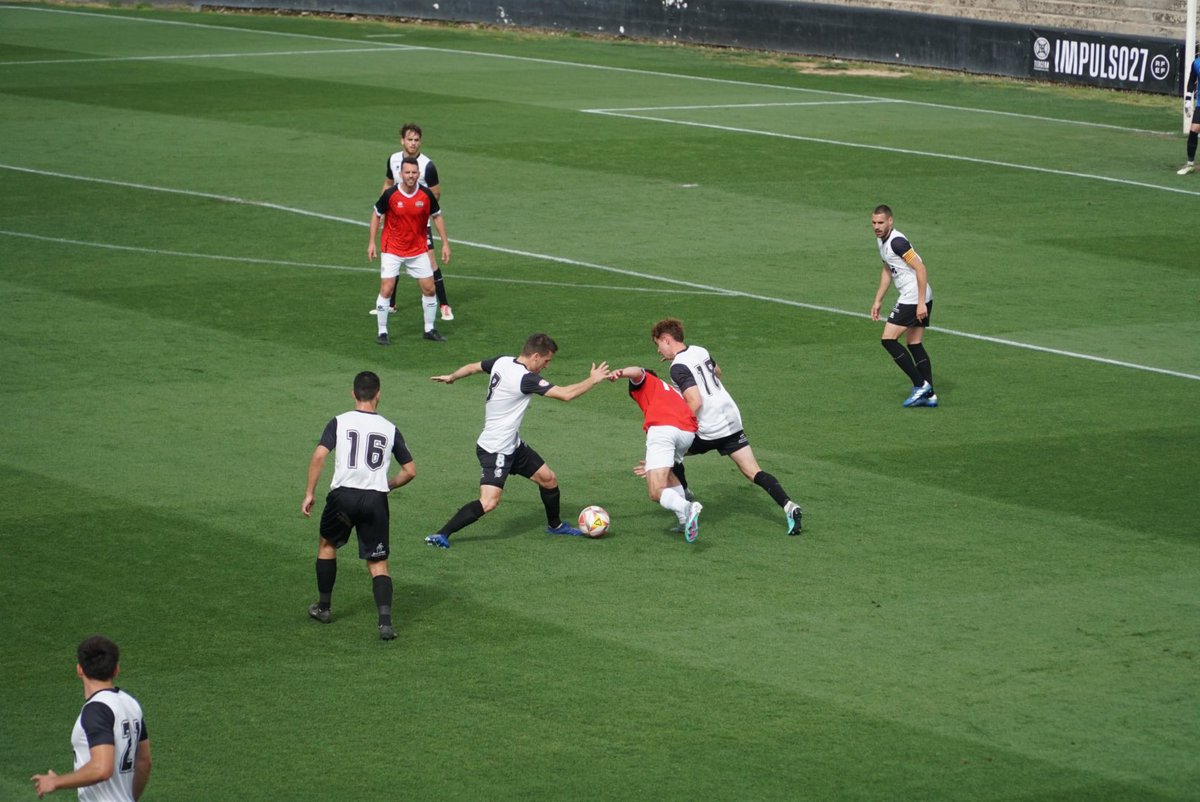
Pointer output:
x,y
996,599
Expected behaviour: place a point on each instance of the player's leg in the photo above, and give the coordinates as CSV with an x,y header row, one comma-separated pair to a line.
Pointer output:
x,y
916,347
333,532
665,445
494,470
1192,138
374,529
389,269
529,463
744,458
419,267
381,589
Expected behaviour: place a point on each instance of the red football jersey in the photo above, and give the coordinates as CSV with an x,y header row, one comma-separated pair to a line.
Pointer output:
x,y
661,404
406,220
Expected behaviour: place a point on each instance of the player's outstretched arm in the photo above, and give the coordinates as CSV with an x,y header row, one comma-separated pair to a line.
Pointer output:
x,y
572,391
461,373
635,373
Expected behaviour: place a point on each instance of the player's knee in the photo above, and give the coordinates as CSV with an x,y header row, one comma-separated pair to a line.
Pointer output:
x,y
489,504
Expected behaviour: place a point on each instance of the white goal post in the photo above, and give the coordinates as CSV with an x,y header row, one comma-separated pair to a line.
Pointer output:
x,y
1189,53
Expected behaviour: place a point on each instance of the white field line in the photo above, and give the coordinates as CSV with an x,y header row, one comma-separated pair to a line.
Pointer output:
x,y
906,151
706,106
319,266
604,68
105,59
621,271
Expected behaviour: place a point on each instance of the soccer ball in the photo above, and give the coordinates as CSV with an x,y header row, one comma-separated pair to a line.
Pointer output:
x,y
594,521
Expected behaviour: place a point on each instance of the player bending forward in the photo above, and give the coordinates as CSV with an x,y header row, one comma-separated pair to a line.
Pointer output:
x,y
670,429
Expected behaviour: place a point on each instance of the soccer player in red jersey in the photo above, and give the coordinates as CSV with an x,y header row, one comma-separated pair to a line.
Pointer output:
x,y
670,428
406,211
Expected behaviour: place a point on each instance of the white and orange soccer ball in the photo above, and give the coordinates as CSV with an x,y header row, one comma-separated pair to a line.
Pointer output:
x,y
594,521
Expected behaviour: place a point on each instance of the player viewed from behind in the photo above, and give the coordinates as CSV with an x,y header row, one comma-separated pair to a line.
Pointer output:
x,y
904,268
500,449
406,211
364,443
719,421
410,146
670,429
112,747
1190,110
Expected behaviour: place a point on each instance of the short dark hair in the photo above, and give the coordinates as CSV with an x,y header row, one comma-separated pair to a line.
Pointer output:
x,y
883,209
366,386
669,325
416,129
98,657
540,344
410,160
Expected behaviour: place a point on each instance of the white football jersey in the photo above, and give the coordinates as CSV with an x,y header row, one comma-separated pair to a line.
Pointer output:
x,y
110,716
510,389
719,416
427,177
891,250
363,444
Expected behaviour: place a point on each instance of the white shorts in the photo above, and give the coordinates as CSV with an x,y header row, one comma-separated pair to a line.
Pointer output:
x,y
666,445
416,266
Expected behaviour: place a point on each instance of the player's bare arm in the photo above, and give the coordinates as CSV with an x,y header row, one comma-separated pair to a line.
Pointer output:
x,y
98,769
694,399
315,466
141,768
634,373
441,230
407,472
885,280
371,252
597,374
461,373
918,267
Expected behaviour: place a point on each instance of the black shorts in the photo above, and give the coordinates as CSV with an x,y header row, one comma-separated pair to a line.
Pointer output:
x,y
725,446
495,468
906,315
429,236
1196,114
364,511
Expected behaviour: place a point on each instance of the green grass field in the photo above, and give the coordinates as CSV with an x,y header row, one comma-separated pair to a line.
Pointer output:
x,y
996,599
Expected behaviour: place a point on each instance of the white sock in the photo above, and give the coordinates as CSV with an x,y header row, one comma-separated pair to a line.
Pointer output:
x,y
672,498
429,307
381,313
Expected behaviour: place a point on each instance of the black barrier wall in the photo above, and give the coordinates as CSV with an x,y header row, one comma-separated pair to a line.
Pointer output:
x,y
893,37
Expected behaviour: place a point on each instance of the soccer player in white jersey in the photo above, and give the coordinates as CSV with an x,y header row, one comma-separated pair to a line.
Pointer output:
x,y
698,377
500,449
365,443
112,747
410,145
904,268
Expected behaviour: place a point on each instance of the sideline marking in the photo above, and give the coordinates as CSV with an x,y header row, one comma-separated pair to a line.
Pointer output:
x,y
105,59
602,67
617,270
906,151
348,268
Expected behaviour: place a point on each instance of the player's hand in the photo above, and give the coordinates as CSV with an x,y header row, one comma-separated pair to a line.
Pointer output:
x,y
44,783
922,311
599,372
875,312
307,505
640,468
447,379
616,374
445,253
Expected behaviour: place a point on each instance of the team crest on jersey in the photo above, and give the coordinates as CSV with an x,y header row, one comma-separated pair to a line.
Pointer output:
x,y
420,204
543,383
